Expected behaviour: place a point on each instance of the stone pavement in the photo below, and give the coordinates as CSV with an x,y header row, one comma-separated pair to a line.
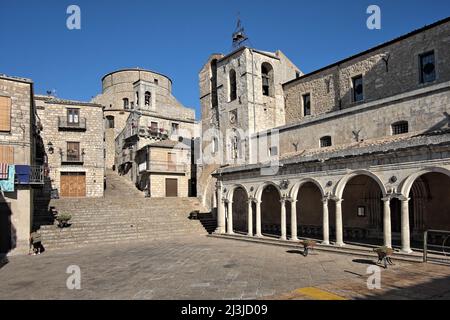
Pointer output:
x,y
199,267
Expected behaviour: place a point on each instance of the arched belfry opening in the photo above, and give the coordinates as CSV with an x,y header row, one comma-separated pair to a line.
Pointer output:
x,y
267,80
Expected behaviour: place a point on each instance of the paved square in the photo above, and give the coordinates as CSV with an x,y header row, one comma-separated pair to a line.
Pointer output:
x,y
210,268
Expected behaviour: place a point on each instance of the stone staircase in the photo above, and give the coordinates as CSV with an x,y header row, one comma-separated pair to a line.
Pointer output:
x,y
123,214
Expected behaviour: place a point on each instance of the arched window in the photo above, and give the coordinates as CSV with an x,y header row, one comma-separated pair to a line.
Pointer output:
x,y
235,147
109,122
233,85
267,79
215,145
148,98
126,103
137,99
400,127
214,98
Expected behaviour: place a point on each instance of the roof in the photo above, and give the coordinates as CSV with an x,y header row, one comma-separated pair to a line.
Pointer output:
x,y
385,44
269,54
18,79
372,146
55,100
136,69
169,144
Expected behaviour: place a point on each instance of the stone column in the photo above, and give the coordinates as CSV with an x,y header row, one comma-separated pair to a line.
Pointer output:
x,y
220,212
325,222
250,218
258,218
406,246
230,217
283,219
294,220
339,231
387,222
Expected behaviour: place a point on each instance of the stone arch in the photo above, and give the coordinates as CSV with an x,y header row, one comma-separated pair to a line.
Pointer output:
x,y
230,191
293,193
339,190
407,184
261,188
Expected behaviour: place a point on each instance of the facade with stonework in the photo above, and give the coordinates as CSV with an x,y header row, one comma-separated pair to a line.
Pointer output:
x,y
153,134
73,132
357,151
21,152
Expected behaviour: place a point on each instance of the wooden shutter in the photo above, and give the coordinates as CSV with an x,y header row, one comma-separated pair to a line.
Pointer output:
x,y
5,114
7,154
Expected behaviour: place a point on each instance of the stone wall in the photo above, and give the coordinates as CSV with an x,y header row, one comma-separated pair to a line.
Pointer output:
x,y
91,141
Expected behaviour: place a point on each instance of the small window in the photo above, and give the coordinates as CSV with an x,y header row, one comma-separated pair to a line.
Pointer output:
x,y
73,116
325,142
306,104
148,97
137,99
175,127
154,126
109,122
400,127
156,81
361,212
273,151
427,67
215,145
126,103
233,85
358,90
5,114
73,151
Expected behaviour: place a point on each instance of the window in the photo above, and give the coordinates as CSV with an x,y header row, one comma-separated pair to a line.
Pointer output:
x,y
267,79
109,122
325,142
126,103
5,114
154,126
233,85
215,145
73,116
400,127
306,104
148,97
427,67
175,127
361,211
156,81
273,151
358,91
137,99
73,151
234,147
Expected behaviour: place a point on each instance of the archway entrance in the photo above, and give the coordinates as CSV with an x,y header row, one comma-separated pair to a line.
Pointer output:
x,y
270,211
240,210
309,211
362,210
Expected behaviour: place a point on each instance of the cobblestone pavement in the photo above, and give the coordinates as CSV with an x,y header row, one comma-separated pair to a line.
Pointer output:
x,y
209,268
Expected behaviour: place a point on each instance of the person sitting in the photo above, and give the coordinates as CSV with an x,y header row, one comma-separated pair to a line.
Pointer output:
x,y
36,243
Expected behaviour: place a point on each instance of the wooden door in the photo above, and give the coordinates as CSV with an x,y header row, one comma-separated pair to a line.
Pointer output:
x,y
73,184
171,187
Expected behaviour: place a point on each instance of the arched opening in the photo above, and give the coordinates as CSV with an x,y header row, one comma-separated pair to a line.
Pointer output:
x,y
240,210
429,205
233,85
362,210
271,211
148,98
214,97
267,79
109,122
309,211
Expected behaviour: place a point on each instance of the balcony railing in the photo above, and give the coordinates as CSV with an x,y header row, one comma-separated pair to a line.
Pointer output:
x,y
166,166
30,175
72,159
64,124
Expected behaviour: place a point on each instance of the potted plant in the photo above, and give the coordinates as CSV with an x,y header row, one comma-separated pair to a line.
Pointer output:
x,y
307,245
63,219
384,254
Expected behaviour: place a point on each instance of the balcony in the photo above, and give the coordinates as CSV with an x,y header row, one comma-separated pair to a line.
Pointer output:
x,y
165,166
68,159
153,132
29,175
64,124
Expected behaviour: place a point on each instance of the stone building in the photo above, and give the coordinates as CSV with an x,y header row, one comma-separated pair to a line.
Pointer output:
x,y
21,149
153,133
362,150
72,133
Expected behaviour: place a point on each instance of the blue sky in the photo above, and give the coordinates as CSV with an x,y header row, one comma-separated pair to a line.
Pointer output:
x,y
176,37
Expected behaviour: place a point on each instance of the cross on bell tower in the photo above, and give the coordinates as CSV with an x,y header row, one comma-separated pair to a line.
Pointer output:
x,y
239,36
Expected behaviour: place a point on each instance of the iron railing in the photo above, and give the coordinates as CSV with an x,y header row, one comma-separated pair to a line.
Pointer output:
x,y
425,242
64,124
34,176
72,159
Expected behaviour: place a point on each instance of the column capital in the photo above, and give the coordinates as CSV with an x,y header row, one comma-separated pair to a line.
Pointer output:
x,y
338,200
403,198
386,199
325,200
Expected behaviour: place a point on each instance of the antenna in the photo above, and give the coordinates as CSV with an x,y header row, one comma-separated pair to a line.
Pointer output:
x,y
239,36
